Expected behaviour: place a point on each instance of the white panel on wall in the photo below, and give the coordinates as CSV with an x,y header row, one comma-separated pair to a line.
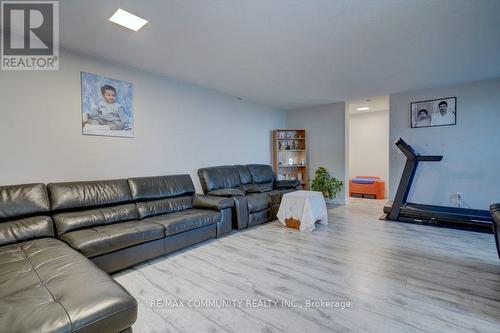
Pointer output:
x,y
471,149
178,127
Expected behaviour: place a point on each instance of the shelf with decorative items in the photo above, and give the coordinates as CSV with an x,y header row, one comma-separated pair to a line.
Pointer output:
x,y
290,155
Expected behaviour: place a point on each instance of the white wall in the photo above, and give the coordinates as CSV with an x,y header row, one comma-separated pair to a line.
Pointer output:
x,y
369,145
471,149
325,131
178,127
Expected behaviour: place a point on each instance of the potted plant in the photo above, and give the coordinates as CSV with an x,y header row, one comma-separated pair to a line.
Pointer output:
x,y
326,184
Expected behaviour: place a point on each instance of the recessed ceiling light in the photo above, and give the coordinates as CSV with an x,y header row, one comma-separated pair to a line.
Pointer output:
x,y
128,20
365,108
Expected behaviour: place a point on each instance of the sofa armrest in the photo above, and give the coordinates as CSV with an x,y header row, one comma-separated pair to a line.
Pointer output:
x,y
212,202
286,183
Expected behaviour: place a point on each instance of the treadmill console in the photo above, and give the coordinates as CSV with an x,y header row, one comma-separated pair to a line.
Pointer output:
x,y
406,148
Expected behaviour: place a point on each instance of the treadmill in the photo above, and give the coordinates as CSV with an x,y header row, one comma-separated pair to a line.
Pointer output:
x,y
401,210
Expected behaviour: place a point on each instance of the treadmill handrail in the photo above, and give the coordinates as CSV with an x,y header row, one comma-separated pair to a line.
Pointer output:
x,y
410,154
429,158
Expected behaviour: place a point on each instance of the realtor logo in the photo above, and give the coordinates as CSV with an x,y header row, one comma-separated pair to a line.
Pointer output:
x,y
30,35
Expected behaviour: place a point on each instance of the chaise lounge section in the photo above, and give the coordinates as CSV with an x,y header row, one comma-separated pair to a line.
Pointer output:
x,y
46,286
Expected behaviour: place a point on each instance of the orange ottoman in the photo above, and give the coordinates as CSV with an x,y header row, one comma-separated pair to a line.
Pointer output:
x,y
367,186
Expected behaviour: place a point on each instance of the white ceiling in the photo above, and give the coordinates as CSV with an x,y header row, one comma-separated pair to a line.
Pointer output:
x,y
296,53
378,103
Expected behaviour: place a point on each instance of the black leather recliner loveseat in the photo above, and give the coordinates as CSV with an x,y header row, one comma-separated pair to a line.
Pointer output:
x,y
253,187
49,233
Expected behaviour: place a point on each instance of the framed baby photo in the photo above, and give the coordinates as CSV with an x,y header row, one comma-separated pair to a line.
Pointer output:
x,y
435,112
107,106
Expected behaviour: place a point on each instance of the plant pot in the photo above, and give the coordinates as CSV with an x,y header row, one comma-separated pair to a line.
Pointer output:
x,y
330,202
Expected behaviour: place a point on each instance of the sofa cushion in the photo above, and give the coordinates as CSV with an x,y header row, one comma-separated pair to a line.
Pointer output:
x,y
25,229
49,287
104,239
245,175
147,188
258,202
218,177
18,204
185,220
66,222
164,206
22,200
88,194
261,173
227,192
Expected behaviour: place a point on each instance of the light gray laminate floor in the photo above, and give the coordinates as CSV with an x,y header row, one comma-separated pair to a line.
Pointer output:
x,y
398,278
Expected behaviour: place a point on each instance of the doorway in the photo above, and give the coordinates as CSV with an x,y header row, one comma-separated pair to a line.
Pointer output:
x,y
368,147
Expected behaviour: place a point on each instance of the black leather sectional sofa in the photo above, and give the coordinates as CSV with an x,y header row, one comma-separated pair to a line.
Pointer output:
x,y
57,242
49,233
253,187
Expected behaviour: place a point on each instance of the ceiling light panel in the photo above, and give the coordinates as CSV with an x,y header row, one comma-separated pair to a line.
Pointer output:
x,y
128,20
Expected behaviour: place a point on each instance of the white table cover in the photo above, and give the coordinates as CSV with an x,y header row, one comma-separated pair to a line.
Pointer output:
x,y
308,207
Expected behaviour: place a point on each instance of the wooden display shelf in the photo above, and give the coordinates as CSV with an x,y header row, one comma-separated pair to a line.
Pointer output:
x,y
290,144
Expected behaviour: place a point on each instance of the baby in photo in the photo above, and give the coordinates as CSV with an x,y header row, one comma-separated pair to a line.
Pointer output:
x,y
109,111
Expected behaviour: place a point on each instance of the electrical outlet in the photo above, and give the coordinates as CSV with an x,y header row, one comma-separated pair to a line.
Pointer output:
x,y
460,197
